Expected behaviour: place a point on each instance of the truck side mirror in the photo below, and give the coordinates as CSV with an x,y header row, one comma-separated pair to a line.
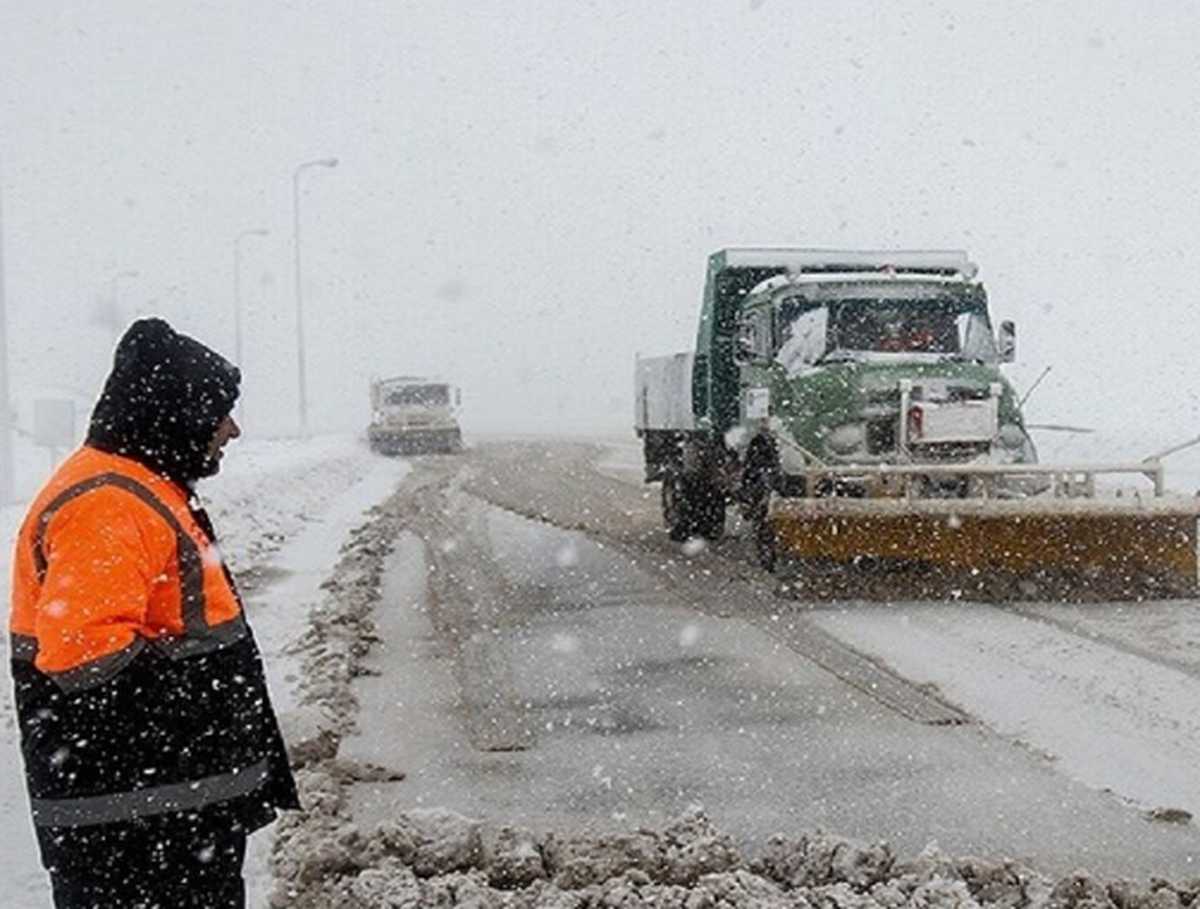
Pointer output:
x,y
1007,341
744,350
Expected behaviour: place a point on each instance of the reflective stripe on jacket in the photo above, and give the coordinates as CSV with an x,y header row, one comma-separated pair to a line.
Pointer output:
x,y
109,560
138,685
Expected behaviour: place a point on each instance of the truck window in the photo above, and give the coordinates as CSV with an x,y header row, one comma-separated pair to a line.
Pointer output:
x,y
909,329
975,338
851,321
802,337
939,328
754,332
418,396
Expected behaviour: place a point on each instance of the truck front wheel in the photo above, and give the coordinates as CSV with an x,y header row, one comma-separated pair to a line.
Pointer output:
x,y
759,480
766,547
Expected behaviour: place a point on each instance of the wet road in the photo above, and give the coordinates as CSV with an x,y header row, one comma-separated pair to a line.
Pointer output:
x,y
578,671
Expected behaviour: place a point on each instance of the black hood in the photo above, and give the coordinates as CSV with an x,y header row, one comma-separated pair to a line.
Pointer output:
x,y
163,401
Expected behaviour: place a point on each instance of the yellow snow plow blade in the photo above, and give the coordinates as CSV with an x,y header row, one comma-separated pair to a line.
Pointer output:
x,y
1062,548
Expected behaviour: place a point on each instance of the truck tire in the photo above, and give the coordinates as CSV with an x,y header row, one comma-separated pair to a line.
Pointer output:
x,y
677,515
766,547
756,511
759,481
708,503
692,508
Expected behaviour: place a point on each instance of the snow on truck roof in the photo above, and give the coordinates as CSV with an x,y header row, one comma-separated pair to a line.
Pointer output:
x,y
852,262
778,282
408,380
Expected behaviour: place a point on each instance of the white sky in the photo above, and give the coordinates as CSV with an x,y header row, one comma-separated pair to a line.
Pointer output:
x,y
527,191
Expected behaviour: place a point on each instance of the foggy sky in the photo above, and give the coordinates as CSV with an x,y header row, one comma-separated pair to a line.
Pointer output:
x,y
527,192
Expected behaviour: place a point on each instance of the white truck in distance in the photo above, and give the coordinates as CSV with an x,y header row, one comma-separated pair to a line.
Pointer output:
x,y
412,415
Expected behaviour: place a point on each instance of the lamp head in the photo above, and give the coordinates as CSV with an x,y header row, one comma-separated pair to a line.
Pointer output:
x,y
317,162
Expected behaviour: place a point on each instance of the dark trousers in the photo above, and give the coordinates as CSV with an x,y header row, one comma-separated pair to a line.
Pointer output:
x,y
170,862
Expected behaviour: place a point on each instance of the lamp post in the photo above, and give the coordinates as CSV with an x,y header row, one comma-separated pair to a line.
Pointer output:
x,y
300,357
7,468
237,289
110,315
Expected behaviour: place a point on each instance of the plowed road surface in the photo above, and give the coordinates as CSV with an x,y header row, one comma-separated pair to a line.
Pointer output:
x,y
546,657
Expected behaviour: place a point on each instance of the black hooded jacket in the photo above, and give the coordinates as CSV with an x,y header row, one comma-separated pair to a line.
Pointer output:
x,y
177,721
163,401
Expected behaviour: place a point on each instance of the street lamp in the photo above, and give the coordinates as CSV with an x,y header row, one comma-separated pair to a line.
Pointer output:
x,y
108,310
7,468
319,162
237,289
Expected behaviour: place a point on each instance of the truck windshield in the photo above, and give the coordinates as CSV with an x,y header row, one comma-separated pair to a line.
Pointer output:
x,y
886,322
417,396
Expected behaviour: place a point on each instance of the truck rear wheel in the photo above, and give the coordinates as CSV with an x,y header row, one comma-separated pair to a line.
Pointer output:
x,y
692,508
675,511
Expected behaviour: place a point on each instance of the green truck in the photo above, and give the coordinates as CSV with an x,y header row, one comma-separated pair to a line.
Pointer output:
x,y
852,404
840,361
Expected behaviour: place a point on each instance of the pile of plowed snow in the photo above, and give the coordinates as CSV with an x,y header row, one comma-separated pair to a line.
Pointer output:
x,y
435,858
430,857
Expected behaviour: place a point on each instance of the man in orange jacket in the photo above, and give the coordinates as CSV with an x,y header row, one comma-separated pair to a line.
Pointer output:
x,y
151,748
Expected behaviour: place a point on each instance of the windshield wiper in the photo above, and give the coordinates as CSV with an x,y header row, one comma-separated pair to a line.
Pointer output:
x,y
839,355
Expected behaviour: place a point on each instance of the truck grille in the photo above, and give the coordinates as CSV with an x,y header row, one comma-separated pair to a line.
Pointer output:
x,y
881,435
950,452
881,441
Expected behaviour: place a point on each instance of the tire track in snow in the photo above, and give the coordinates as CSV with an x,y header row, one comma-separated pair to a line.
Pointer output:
x,y
1071,623
1113,719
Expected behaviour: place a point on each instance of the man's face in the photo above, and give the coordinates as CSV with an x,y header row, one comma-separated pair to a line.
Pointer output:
x,y
226,431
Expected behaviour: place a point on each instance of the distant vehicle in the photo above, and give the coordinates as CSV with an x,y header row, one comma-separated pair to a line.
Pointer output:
x,y
413,415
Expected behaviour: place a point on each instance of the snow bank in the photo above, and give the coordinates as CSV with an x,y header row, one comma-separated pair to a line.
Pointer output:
x,y
431,857
318,843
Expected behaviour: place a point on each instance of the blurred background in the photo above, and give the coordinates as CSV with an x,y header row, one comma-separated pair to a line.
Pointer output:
x,y
520,197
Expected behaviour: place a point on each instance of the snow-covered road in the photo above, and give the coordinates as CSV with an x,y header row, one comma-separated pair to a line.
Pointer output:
x,y
619,676
595,677
1114,714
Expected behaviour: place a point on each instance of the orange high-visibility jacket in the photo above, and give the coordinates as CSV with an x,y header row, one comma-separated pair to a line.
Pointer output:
x,y
110,559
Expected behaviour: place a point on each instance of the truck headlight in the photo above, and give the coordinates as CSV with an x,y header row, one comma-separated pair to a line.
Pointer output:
x,y
1014,446
847,439
1011,436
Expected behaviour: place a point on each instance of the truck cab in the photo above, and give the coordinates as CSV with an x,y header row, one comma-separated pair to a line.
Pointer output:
x,y
875,367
